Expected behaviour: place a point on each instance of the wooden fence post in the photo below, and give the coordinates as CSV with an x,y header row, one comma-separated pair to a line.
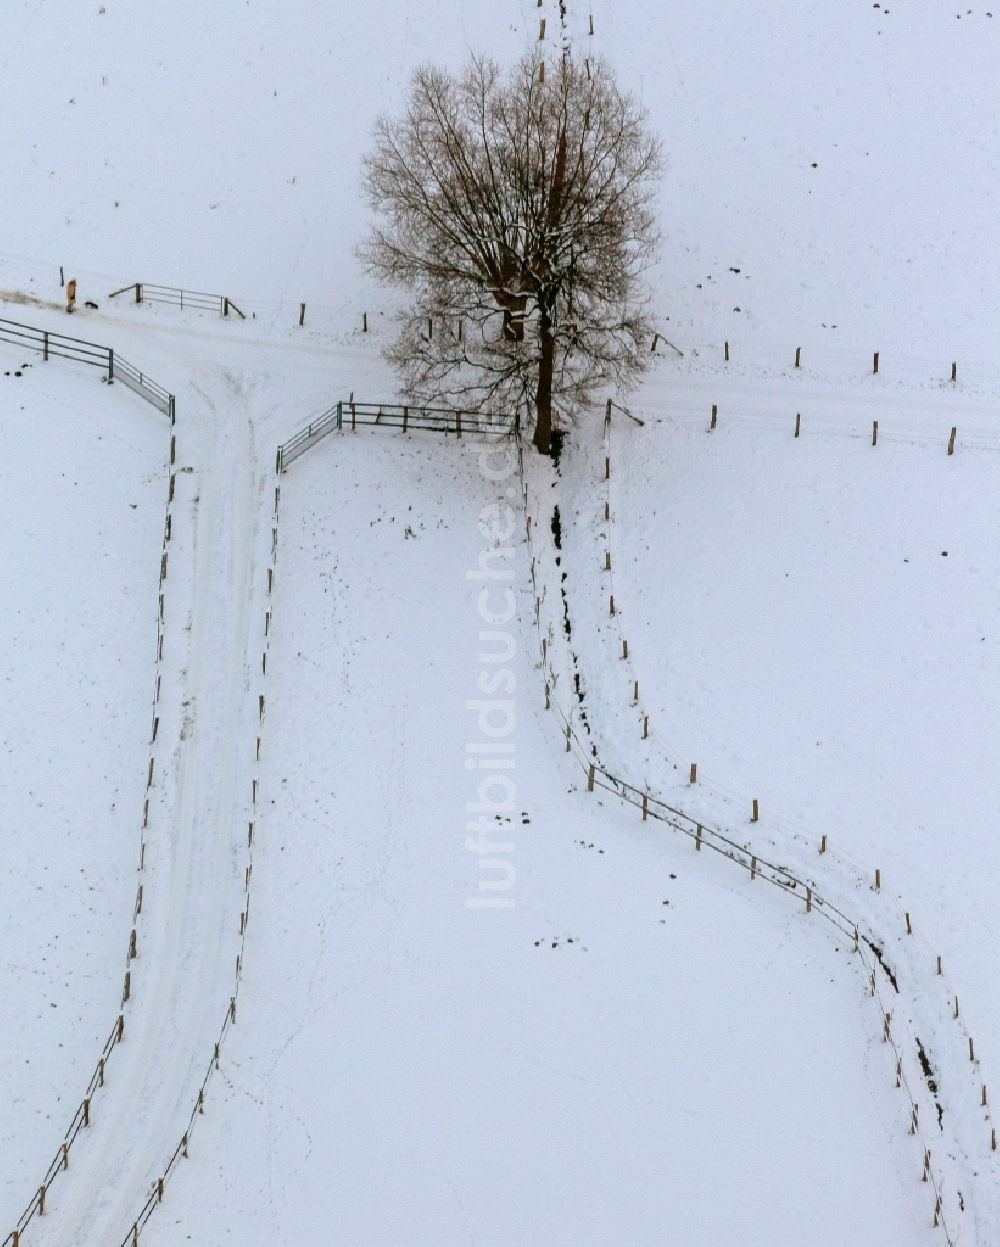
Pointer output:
x,y
726,352
874,432
951,440
798,422
302,314
954,370
364,322
798,356
875,364
694,773
590,778
715,415
755,816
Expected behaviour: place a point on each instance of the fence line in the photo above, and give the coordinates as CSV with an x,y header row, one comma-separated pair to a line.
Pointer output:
x,y
199,300
181,1150
795,833
57,344
598,777
81,1119
49,344
143,385
350,414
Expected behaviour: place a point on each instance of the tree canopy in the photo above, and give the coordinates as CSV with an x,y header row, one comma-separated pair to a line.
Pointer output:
x,y
517,209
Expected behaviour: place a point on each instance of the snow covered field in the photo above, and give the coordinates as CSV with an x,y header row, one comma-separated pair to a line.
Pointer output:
x,y
562,1069
405,1069
82,487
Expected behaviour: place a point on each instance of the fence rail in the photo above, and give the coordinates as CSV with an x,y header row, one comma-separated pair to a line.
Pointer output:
x,y
92,353
350,414
143,385
59,344
199,300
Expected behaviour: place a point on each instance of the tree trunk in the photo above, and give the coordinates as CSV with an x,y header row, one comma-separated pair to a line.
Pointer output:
x,y
543,395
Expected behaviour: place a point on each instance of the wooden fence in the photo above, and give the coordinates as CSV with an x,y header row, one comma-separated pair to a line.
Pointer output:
x,y
116,367
199,300
802,891
351,414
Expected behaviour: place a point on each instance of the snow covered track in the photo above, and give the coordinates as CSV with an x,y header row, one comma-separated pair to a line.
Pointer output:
x,y
200,777
181,1149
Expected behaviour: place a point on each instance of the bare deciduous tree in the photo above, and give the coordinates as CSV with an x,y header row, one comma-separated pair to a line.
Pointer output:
x,y
517,209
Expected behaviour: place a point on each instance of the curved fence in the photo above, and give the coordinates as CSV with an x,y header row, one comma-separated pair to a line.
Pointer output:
x,y
81,1119
880,977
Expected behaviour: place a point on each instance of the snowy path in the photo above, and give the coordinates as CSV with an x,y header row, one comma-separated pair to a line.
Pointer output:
x,y
182,978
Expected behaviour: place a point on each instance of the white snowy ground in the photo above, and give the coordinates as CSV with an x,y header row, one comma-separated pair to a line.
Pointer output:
x,y
816,623
242,176
82,488
593,1064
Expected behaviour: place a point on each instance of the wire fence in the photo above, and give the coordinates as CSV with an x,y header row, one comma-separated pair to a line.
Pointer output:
x,y
351,414
704,836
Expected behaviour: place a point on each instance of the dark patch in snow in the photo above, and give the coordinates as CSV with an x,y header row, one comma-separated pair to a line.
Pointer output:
x,y
886,968
928,1072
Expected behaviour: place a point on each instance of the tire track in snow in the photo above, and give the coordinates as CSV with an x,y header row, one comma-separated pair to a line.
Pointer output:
x,y
191,944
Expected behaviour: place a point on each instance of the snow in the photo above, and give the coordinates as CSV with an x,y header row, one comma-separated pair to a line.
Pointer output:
x,y
405,1068
396,1074
82,487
